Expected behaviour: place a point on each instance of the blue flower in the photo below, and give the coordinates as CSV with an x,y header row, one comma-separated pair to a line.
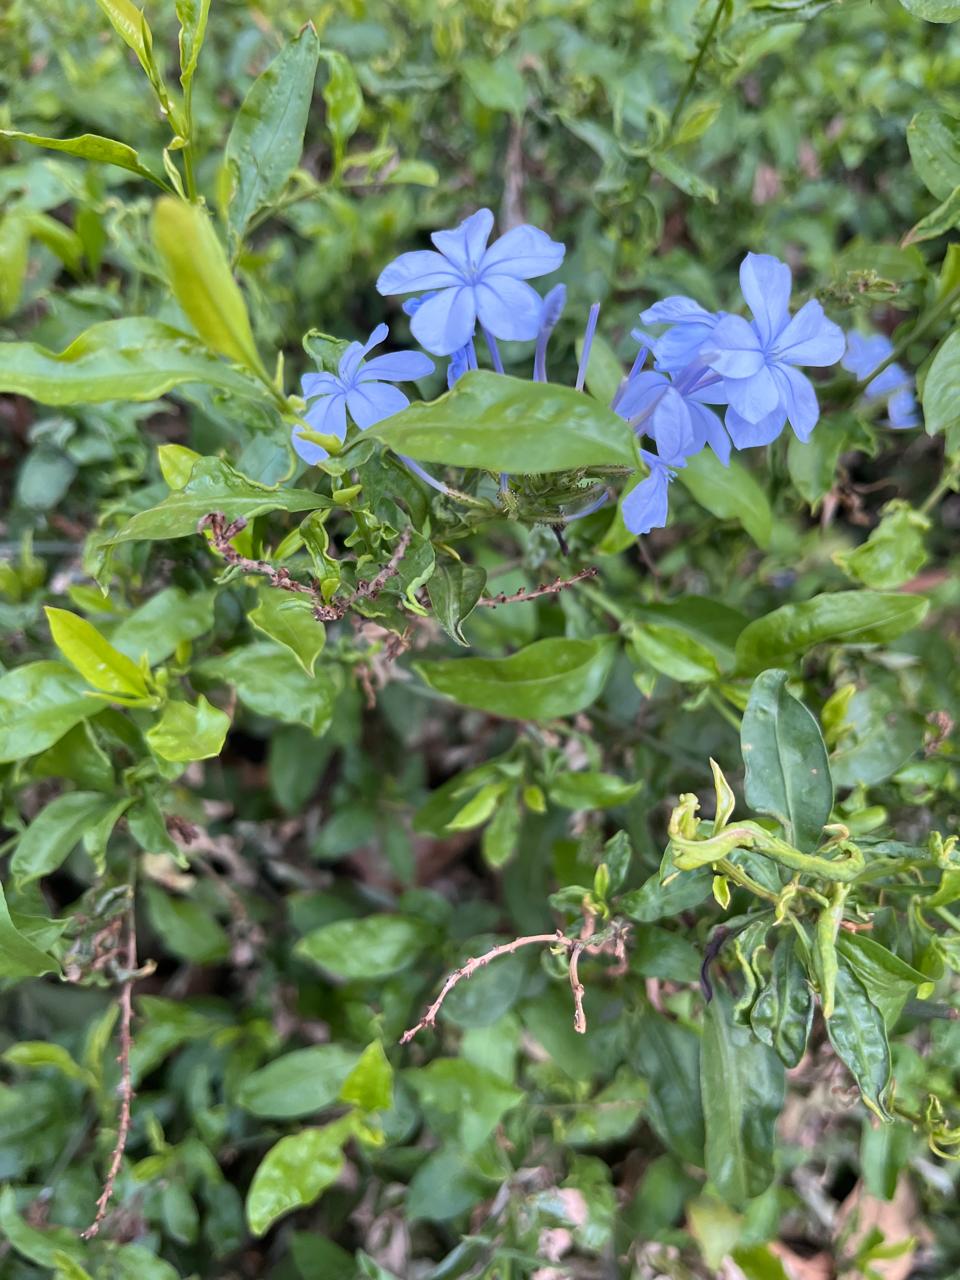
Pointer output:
x,y
690,326
462,360
862,357
645,506
360,387
673,412
471,281
757,359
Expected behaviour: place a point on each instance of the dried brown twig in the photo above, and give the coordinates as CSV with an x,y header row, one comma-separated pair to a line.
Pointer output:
x,y
125,1088
221,533
547,589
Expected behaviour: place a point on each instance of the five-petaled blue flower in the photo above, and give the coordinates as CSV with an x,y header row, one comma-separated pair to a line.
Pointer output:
x,y
757,360
360,387
690,326
645,506
866,354
470,281
674,412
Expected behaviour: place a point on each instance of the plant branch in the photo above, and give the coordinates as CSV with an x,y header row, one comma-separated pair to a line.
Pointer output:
x,y
547,589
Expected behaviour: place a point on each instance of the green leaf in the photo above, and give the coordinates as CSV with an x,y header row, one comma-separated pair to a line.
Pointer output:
x,y
133,359
102,666
655,900
938,222
685,179
888,980
295,1172
298,1083
44,1053
39,703
553,677
272,682
837,617
192,15
934,10
369,1085
787,770
185,732
657,953
667,1055
941,388
782,1013
167,620
366,949
266,138
674,653
591,790
468,1098
187,928
730,493
934,141
289,620
497,83
213,486
90,146
202,282
55,831
742,1088
505,424
14,259
454,591
343,98
19,957
893,554
604,370
858,1034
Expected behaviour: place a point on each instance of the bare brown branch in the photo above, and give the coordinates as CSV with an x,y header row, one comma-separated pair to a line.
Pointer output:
x,y
546,589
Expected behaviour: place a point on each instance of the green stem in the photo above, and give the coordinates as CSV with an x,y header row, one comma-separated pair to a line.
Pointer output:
x,y
732,719
948,481
697,63
740,877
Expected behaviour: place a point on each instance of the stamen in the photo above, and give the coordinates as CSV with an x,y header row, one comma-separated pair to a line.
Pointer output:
x,y
425,476
494,350
553,305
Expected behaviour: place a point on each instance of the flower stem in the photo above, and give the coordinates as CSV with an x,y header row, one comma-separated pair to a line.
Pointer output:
x,y
697,63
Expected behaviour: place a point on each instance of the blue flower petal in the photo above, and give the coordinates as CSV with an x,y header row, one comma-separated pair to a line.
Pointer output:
x,y
672,428
522,253
509,308
799,399
373,402
863,353
396,366
465,245
421,269
893,378
765,282
902,410
708,430
329,417
733,348
677,310
749,435
645,506
810,338
754,397
319,384
447,321
351,358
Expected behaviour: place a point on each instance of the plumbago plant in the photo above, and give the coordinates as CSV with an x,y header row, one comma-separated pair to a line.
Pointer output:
x,y
359,916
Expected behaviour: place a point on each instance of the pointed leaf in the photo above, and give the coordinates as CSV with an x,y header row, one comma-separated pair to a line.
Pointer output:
x,y
104,667
90,146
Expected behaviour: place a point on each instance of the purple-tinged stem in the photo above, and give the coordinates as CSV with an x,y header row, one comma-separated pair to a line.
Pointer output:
x,y
587,344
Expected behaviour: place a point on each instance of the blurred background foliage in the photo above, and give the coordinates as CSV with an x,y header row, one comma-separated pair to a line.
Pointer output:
x,y
303,895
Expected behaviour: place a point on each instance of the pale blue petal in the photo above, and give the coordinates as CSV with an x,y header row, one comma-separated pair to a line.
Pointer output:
x,y
350,360
327,416
708,430
396,366
509,308
749,435
670,425
373,402
733,348
319,384
446,321
465,245
641,394
645,506
810,338
766,283
902,410
799,399
755,397
677,310
421,269
893,378
863,353
523,253
458,366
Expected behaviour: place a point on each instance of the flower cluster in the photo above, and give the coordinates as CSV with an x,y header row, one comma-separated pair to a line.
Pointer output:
x,y
718,380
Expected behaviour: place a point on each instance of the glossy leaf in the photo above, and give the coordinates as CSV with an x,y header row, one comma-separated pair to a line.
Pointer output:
x,y
673,653
188,732
888,980
893,554
19,957
131,26
667,1055
366,949
343,98
504,424
288,619
938,222
941,388
787,770
591,790
554,677
934,141
132,359
730,492
213,486
272,682
742,1087
782,1013
472,1099
90,146
858,1035
295,1171
298,1084
454,590
202,282
100,664
39,703
838,617
166,621
55,832
934,10
266,137
369,1085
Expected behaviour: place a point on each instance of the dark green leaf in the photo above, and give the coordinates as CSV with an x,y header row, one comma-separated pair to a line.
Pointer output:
x,y
298,1083
667,1055
19,957
272,682
454,591
166,621
55,831
365,949
782,1013
858,1035
941,389
39,703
